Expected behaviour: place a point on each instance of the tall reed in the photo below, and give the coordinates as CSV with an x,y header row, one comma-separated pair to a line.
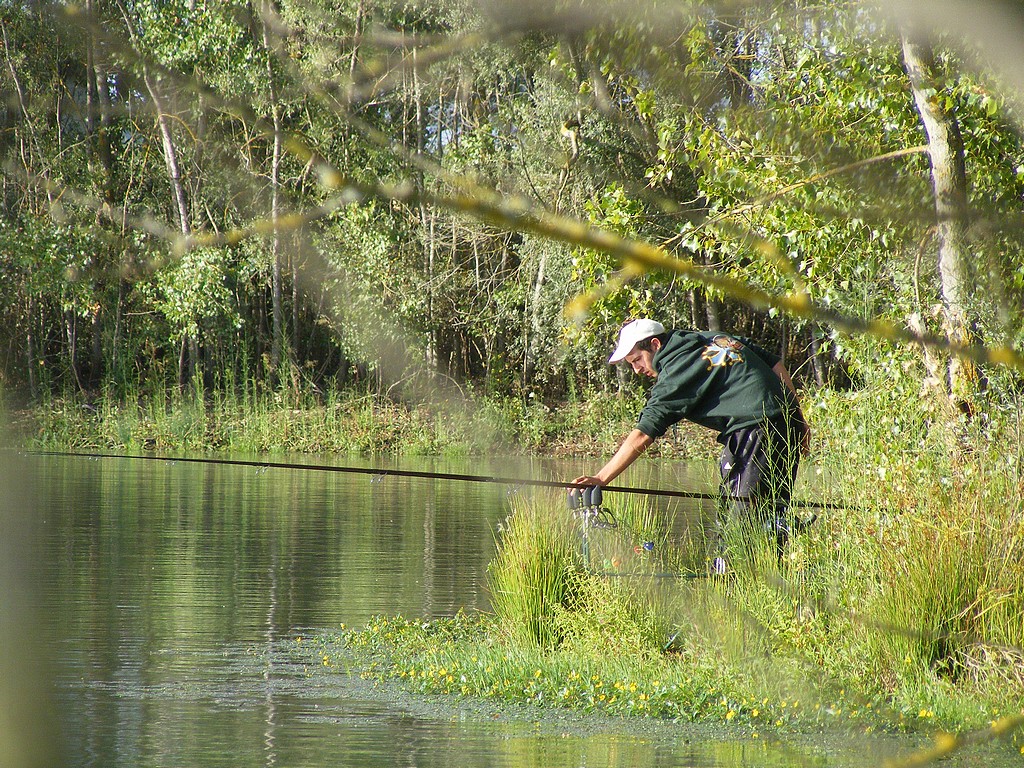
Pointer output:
x,y
536,572
555,582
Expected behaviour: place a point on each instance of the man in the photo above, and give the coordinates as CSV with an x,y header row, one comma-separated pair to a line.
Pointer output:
x,y
727,384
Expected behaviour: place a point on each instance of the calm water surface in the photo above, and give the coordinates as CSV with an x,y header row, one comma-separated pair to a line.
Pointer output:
x,y
171,591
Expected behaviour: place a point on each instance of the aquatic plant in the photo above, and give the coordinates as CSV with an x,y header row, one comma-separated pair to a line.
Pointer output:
x,y
902,609
473,656
537,571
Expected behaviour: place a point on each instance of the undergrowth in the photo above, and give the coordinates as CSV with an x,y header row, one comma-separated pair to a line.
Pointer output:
x,y
902,607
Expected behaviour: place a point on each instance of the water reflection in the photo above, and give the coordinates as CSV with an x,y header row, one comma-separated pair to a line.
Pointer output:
x,y
173,591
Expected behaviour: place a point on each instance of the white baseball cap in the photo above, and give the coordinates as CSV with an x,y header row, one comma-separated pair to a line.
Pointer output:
x,y
631,333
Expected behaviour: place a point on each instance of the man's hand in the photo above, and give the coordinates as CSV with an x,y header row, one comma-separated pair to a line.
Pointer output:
x,y
805,440
636,443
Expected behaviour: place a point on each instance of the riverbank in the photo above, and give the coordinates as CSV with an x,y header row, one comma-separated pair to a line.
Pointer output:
x,y
346,423
900,610
460,665
807,646
329,662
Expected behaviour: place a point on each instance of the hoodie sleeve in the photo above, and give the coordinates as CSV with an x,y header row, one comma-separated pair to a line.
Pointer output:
x,y
671,398
657,416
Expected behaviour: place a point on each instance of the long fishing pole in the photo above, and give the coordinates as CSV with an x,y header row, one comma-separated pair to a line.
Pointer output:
x,y
382,472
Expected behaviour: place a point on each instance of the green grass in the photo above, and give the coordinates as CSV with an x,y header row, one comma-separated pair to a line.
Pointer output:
x,y
537,574
344,422
903,610
763,648
927,578
460,656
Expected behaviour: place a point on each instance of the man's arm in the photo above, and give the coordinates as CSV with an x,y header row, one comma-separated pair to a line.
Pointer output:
x,y
782,373
636,442
805,437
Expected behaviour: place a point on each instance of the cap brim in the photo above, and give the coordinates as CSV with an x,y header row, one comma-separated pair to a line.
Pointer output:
x,y
620,352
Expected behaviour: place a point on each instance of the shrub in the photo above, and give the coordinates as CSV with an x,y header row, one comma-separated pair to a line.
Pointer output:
x,y
536,571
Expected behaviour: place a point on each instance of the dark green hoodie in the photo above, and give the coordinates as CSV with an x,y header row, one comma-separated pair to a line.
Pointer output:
x,y
719,381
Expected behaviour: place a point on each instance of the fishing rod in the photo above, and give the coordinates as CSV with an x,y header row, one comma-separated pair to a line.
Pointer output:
x,y
378,472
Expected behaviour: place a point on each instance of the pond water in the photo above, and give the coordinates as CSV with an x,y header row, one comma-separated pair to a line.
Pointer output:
x,y
160,598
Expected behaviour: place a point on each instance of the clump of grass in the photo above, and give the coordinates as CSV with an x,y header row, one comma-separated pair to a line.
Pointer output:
x,y
934,578
647,532
537,571
920,584
614,615
555,581
472,656
951,599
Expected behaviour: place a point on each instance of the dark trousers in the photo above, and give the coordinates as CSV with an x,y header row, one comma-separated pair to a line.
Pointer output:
x,y
758,468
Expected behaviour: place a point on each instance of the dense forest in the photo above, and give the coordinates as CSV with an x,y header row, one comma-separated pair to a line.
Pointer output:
x,y
370,227
204,195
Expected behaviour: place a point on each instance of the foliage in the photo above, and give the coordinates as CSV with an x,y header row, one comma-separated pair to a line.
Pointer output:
x,y
456,656
777,147
193,291
759,163
536,574
900,609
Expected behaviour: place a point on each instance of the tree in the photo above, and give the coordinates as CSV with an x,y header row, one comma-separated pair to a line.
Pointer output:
x,y
949,181
442,180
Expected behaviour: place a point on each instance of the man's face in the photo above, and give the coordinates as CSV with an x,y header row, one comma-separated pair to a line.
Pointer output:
x,y
642,360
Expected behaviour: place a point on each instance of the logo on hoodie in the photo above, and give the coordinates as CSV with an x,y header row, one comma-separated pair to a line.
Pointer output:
x,y
722,352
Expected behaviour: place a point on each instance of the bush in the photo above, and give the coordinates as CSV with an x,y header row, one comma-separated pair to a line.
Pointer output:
x,y
536,572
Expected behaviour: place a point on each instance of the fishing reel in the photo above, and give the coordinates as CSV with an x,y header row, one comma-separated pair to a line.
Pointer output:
x,y
585,505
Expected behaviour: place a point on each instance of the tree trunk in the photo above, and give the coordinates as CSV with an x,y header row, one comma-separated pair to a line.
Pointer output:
x,y
817,363
98,120
277,345
71,335
115,345
740,57
695,308
101,166
427,218
536,319
35,155
96,358
357,39
949,183
296,352
30,348
170,157
184,369
186,366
